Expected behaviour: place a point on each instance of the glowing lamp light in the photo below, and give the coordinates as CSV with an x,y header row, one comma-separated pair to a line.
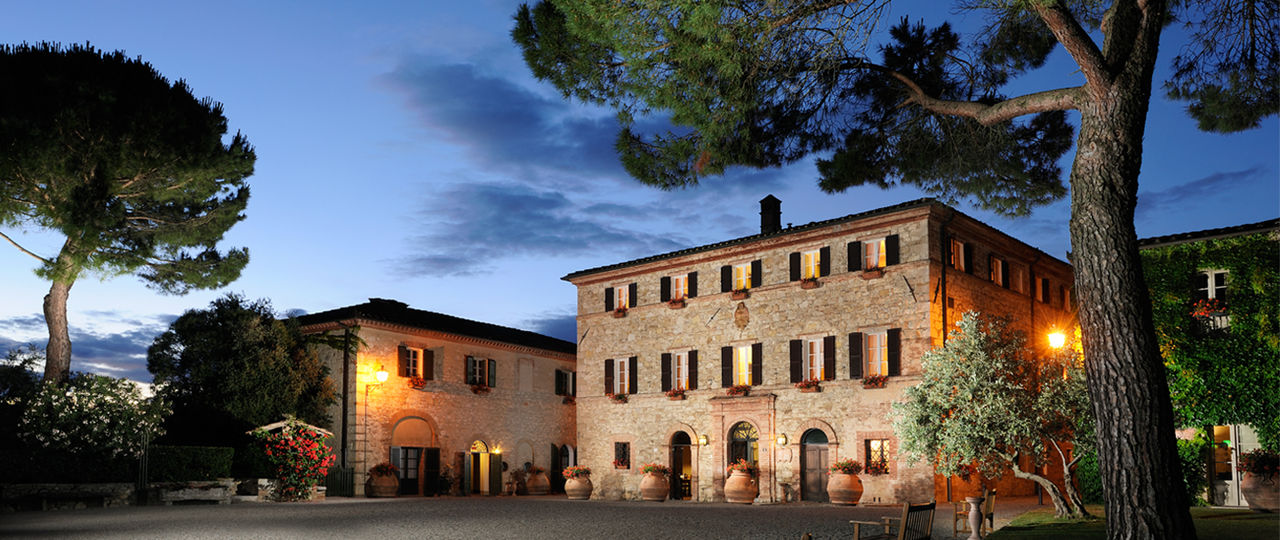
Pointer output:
x,y
380,375
497,449
702,440
1057,340
782,439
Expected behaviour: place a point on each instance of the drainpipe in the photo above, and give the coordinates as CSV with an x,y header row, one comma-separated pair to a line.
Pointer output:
x,y
946,249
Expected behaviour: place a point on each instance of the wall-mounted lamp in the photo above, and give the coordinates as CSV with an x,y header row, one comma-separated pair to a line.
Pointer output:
x,y
1057,339
702,440
782,439
380,374
497,449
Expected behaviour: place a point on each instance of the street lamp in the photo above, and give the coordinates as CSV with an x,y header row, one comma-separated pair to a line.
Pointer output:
x,y
379,375
1057,339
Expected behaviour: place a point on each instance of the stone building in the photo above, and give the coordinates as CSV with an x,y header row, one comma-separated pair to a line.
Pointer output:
x,y
850,303
469,398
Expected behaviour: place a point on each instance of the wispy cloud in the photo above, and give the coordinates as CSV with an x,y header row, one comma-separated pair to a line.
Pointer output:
x,y
1190,194
118,354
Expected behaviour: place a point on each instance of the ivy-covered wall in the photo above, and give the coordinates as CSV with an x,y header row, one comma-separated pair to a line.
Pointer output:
x,y
1229,375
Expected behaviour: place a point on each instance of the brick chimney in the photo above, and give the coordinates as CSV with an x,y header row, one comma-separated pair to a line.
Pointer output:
x,y
770,215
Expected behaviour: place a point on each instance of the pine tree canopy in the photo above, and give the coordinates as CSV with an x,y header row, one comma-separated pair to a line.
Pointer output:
x,y
133,170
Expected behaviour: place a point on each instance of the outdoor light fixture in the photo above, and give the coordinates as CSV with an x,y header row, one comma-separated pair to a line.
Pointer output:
x,y
702,440
782,439
497,449
380,374
1057,340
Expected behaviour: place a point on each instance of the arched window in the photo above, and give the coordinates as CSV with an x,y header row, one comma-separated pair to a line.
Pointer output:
x,y
744,443
814,436
479,447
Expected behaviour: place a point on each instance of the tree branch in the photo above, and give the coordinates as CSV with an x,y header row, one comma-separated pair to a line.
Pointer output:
x,y
24,250
1079,45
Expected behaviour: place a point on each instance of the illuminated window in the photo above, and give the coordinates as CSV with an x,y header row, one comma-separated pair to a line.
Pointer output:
x,y
878,453
957,256
874,254
680,365
813,359
620,297
679,287
998,271
741,276
620,376
742,365
1019,279
810,264
876,353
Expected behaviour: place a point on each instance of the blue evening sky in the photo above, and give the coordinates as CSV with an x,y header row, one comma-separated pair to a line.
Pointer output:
x,y
405,152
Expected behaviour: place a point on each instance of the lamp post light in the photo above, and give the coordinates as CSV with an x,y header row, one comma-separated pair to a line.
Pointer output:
x,y
380,376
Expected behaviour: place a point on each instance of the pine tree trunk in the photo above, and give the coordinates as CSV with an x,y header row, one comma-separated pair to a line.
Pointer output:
x,y
1136,449
57,365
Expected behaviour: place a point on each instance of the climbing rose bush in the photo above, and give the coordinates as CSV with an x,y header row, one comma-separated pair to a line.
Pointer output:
x,y
92,414
300,457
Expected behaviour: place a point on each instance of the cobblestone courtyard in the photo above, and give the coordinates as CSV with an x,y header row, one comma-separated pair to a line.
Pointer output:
x,y
465,517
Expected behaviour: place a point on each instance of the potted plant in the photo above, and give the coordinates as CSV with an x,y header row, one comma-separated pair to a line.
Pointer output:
x,y
872,273
740,294
1259,487
874,381
738,390
675,394
654,486
616,398
676,303
479,389
809,283
577,482
620,312
809,385
876,468
538,483
740,487
384,481
417,383
1207,307
844,487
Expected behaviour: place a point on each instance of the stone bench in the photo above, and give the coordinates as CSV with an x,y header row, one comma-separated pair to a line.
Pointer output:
x,y
14,497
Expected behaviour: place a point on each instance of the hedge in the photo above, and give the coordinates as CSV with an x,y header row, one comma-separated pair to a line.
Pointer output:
x,y
187,463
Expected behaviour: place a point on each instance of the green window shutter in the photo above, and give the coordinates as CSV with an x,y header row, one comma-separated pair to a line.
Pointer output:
x,y
726,367
608,376
693,370
666,372
829,358
894,351
797,360
855,256
795,265
693,284
631,295
608,298
757,364
891,256
492,368
855,355
664,289
631,374
726,278
824,261
757,273
471,370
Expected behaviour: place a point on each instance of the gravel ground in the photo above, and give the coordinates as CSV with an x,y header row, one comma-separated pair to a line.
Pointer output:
x,y
465,517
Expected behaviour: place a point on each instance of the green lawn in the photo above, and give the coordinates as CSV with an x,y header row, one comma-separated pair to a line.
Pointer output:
x,y
1211,524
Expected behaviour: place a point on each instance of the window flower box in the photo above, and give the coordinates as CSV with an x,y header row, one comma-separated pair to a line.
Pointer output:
x,y
809,385
479,389
874,381
738,390
740,294
616,398
621,464
872,273
417,383
620,313
568,400
810,283
675,394
876,468
676,303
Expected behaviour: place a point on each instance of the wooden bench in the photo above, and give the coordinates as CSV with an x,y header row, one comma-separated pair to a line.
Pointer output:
x,y
916,523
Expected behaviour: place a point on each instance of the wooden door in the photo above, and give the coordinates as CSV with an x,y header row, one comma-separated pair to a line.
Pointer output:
x,y
813,466
430,471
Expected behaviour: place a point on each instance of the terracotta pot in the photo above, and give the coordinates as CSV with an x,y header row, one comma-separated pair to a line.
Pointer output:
x,y
578,488
844,488
1261,492
382,486
740,488
538,484
810,389
654,487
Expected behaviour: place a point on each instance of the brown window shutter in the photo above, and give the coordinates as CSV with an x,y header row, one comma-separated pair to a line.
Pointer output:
x,y
757,273
403,352
664,289
491,371
726,278
608,376
631,375
1004,273
824,261
757,364
797,360
428,364
631,295
891,250
666,371
894,351
693,284
855,355
855,256
608,298
693,370
795,265
968,258
829,358
726,367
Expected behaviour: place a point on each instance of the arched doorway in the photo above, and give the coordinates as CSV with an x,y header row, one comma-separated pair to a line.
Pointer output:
x,y
744,443
813,466
413,452
681,466
483,474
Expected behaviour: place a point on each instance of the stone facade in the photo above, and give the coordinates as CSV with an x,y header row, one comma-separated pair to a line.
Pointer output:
x,y
517,419
912,301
